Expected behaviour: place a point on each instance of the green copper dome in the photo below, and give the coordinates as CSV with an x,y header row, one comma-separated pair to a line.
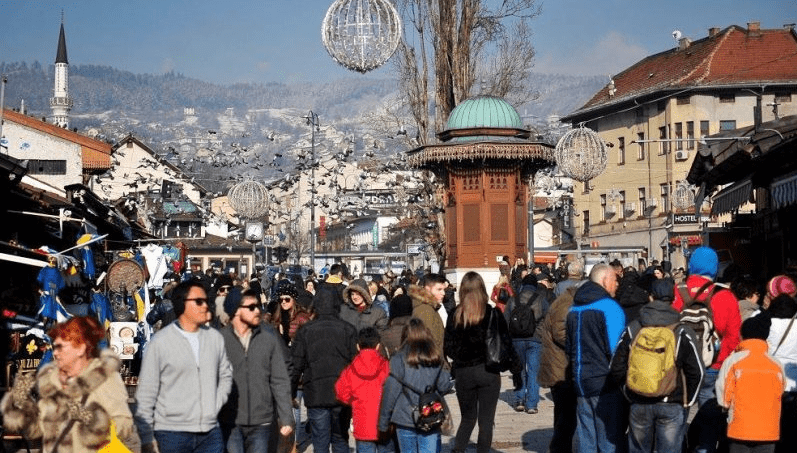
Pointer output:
x,y
484,111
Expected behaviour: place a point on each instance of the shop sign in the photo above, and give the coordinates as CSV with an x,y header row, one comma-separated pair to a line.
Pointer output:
x,y
683,219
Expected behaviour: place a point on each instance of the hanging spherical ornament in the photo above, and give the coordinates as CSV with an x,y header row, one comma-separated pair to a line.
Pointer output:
x,y
361,35
684,196
581,154
249,199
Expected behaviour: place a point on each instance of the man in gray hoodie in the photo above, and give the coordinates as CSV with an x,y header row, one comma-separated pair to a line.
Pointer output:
x,y
184,381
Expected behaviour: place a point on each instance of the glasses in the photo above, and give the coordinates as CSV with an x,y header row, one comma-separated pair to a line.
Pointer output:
x,y
224,289
199,301
286,299
250,307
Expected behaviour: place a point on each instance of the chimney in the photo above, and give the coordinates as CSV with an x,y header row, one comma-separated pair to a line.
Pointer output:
x,y
754,28
789,27
683,43
713,31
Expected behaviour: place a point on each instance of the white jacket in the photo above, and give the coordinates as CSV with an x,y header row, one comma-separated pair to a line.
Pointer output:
x,y
787,353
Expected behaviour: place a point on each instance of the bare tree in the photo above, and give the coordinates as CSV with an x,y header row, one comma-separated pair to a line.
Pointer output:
x,y
456,39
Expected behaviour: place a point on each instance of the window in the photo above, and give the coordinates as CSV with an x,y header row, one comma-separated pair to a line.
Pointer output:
x,y
622,203
640,154
727,98
679,135
642,200
585,214
604,213
664,146
621,151
727,125
665,197
690,135
683,100
46,167
782,97
703,128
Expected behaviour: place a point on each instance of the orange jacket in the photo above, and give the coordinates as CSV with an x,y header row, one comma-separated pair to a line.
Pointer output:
x,y
750,385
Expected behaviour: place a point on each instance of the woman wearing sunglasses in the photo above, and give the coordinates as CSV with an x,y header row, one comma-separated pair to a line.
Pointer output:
x,y
289,315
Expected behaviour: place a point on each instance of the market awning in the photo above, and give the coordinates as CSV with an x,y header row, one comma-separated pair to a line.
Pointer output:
x,y
784,191
732,197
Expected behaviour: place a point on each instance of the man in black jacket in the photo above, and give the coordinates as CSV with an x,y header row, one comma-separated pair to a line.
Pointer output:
x,y
260,379
660,421
321,349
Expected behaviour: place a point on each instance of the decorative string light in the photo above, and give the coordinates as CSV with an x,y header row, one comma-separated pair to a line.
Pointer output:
x,y
249,199
361,35
581,154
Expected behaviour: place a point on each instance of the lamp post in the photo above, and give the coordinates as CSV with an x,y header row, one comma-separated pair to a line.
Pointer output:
x,y
3,81
312,121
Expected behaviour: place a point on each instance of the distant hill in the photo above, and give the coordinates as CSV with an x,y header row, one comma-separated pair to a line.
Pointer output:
x,y
98,89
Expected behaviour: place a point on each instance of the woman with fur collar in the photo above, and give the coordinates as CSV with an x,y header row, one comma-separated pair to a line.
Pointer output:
x,y
82,384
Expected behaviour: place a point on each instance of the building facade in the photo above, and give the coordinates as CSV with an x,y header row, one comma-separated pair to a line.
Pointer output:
x,y
655,116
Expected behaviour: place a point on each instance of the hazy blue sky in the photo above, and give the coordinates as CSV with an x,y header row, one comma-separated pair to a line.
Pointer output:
x,y
228,41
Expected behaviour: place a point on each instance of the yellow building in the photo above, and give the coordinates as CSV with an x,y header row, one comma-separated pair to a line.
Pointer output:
x,y
654,117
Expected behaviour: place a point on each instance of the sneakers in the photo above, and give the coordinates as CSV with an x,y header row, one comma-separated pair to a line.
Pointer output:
x,y
531,411
519,407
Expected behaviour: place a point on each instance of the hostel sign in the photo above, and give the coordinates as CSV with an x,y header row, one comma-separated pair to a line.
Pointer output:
x,y
689,219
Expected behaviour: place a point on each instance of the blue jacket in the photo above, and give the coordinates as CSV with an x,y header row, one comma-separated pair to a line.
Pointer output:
x,y
595,323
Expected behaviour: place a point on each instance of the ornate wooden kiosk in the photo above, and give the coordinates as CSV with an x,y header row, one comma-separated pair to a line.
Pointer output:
x,y
485,159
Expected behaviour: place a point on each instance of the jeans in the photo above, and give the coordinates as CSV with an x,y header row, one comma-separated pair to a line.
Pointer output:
x,y
249,439
477,393
710,418
529,353
329,426
297,416
658,424
564,417
414,441
184,442
599,423
370,446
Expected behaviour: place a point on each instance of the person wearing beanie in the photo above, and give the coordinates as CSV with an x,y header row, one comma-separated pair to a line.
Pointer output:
x,y
289,315
321,350
780,284
700,286
750,386
400,315
262,384
358,309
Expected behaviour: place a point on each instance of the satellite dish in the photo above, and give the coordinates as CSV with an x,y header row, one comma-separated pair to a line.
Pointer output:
x,y
676,34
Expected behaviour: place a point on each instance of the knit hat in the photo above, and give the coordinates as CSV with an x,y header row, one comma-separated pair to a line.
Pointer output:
x,y
781,284
704,261
327,301
401,305
756,327
287,289
662,289
232,301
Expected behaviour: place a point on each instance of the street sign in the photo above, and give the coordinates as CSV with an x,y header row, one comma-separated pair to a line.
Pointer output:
x,y
414,249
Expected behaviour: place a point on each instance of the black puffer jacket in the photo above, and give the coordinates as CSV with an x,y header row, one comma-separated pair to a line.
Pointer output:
x,y
631,296
321,349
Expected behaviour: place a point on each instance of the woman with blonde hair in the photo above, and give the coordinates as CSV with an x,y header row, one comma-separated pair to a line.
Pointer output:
x,y
419,363
499,297
80,395
478,385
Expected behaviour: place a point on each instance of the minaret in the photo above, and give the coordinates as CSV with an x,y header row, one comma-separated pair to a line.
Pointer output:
x,y
61,103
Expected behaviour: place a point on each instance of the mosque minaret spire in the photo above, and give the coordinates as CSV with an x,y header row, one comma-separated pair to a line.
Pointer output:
x,y
61,103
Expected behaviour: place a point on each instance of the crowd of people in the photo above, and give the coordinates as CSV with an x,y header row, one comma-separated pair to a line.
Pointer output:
x,y
627,352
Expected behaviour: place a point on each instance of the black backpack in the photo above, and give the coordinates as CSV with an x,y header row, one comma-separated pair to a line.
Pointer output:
x,y
522,323
431,410
698,316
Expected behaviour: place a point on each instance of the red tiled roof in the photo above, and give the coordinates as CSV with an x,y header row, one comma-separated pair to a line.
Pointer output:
x,y
96,154
732,57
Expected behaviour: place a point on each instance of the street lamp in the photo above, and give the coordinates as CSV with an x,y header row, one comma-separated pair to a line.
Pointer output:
x,y
312,121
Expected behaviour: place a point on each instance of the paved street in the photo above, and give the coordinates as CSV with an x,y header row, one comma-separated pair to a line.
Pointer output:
x,y
514,432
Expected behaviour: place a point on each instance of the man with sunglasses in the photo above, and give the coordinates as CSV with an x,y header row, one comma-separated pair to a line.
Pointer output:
x,y
261,381
184,381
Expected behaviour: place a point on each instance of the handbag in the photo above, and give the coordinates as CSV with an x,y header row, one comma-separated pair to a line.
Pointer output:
x,y
498,344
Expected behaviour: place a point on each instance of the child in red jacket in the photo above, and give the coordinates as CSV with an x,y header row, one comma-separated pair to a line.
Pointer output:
x,y
360,386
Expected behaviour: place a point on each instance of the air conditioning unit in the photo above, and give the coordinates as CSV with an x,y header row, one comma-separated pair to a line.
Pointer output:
x,y
651,203
610,210
681,155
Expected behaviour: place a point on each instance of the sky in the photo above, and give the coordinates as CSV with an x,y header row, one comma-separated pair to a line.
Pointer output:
x,y
264,41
